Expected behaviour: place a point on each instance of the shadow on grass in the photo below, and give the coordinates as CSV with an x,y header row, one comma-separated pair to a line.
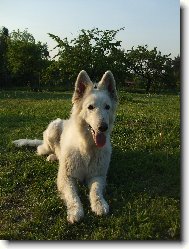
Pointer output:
x,y
35,95
157,173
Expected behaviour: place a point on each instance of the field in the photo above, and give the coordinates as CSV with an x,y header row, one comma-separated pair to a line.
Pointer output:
x,y
143,183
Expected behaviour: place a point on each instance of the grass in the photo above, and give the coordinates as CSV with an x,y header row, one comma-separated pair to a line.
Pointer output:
x,y
143,183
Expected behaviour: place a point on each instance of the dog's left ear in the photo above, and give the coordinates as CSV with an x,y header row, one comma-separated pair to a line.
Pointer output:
x,y
82,84
108,82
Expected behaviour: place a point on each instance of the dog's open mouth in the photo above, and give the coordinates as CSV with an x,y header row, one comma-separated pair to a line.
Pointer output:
x,y
99,137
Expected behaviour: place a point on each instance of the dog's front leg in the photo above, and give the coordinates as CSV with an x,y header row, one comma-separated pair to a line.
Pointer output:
x,y
98,204
67,188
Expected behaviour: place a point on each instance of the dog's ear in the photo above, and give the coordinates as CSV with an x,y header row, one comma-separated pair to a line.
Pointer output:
x,y
82,84
108,82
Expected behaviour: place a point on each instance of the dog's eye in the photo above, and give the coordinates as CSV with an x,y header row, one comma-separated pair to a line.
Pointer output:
x,y
107,107
91,107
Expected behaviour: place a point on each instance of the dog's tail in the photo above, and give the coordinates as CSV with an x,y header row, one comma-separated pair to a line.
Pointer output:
x,y
27,142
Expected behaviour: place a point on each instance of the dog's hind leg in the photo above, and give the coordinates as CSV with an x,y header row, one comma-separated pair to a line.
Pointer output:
x,y
52,157
44,149
51,139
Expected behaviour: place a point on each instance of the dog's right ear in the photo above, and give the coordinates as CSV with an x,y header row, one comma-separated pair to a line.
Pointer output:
x,y
82,84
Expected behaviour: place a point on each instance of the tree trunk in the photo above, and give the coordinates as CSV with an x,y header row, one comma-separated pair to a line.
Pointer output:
x,y
148,85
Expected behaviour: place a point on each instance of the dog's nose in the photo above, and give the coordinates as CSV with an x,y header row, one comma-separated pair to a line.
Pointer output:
x,y
103,127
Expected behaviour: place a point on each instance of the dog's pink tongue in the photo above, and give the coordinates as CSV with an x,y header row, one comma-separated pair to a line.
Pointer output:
x,y
100,140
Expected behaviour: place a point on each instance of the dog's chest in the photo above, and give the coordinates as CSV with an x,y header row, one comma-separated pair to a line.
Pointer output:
x,y
94,163
86,165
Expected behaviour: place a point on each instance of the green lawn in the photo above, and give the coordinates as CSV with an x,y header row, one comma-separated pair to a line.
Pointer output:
x,y
143,183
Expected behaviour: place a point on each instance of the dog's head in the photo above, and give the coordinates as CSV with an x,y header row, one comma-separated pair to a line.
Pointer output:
x,y
96,104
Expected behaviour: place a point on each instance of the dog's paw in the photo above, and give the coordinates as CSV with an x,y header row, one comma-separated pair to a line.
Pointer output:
x,y
41,150
100,207
75,215
51,158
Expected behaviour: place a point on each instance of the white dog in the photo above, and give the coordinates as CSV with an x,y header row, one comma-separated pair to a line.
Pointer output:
x,y
82,143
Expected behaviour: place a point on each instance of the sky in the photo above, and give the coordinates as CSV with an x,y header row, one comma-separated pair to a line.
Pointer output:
x,y
152,22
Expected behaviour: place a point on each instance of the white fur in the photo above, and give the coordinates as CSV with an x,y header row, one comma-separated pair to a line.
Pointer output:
x,y
72,143
28,142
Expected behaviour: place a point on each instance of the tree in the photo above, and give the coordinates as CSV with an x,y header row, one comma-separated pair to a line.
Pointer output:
x,y
51,75
149,65
26,58
93,50
4,74
176,70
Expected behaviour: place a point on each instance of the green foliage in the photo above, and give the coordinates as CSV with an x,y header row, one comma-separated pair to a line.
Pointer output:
x,y
25,57
150,65
176,71
25,62
97,51
51,75
143,183
93,50
4,37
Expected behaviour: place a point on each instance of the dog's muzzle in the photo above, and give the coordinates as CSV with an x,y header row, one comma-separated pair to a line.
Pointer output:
x,y
99,136
103,127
